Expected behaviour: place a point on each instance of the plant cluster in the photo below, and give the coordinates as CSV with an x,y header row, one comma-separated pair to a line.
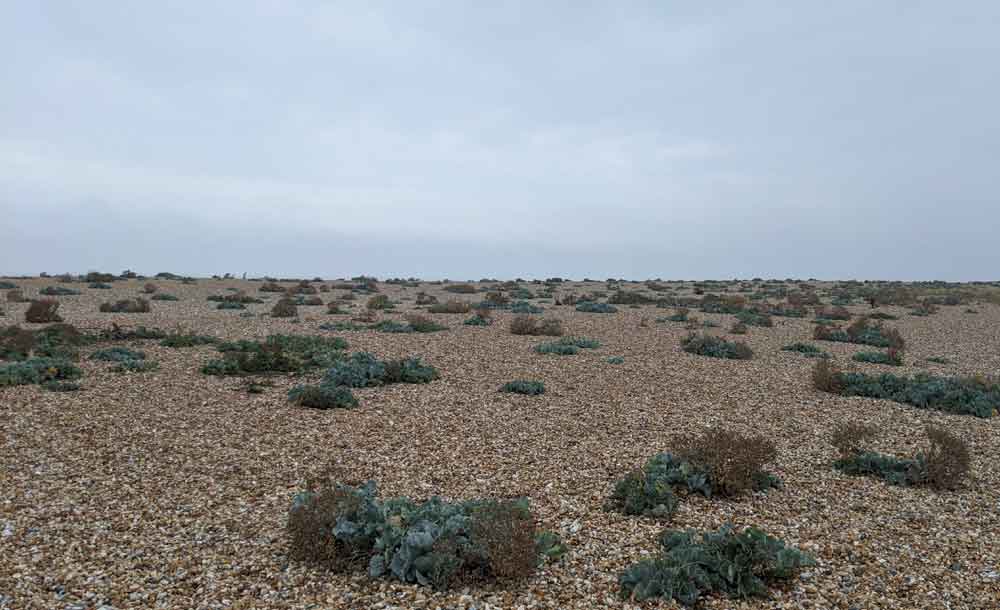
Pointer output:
x,y
524,324
136,305
736,564
716,347
276,354
594,307
944,464
861,331
58,291
521,386
959,395
37,370
891,357
43,311
433,543
807,349
452,306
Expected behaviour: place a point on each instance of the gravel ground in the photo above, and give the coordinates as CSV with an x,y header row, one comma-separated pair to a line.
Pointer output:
x,y
170,489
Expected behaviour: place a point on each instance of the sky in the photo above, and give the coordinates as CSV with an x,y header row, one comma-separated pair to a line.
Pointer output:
x,y
681,140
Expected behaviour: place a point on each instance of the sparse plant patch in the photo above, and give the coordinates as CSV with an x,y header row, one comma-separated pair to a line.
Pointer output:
x,y
58,291
554,347
117,354
323,396
739,328
43,311
180,339
38,370
276,354
709,345
135,366
943,465
478,319
753,318
284,308
164,296
423,324
230,305
890,357
136,305
615,360
523,324
938,360
453,306
592,307
521,386
99,286
16,295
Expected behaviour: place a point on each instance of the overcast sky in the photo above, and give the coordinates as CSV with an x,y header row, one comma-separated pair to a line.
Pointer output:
x,y
468,140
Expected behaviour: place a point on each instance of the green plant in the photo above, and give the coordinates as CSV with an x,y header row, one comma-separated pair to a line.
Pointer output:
x,y
230,305
180,339
433,543
938,360
323,396
5,285
525,307
37,370
963,396
581,342
276,354
61,386
478,319
520,386
99,286
615,360
716,347
378,302
42,311
163,296
753,318
736,564
453,306
554,347
423,324
117,354
461,288
592,307
729,462
891,357
58,291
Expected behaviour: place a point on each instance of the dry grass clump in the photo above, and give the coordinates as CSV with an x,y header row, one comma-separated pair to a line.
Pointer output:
x,y
42,311
734,461
826,377
378,302
285,308
461,288
948,461
16,295
150,288
852,438
310,526
506,530
271,287
525,324
426,299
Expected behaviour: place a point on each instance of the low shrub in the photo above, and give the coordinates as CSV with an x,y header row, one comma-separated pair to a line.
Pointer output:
x,y
164,296
5,285
963,396
53,341
237,297
361,370
229,305
150,288
136,305
117,333
581,342
938,360
43,311
944,465
524,324
61,386
739,328
58,291
271,287
379,302
333,308
738,565
391,326
434,543
520,386
37,370
592,307
753,318
99,286
423,324
832,313
880,315
16,295
555,347
716,347
524,307
478,319
729,462
323,396
891,357
180,339
276,354
615,360
453,306
284,308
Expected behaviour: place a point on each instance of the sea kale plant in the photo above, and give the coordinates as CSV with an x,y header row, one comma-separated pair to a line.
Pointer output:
x,y
737,564
432,543
716,347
